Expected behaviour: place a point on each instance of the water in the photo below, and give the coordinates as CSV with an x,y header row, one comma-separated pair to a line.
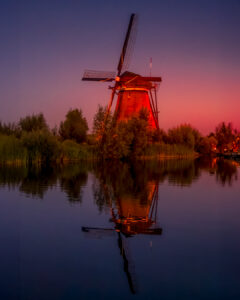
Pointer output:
x,y
153,230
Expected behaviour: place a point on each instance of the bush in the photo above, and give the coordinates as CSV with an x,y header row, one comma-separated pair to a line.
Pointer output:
x,y
224,135
11,150
207,145
33,123
73,151
184,135
40,145
74,127
127,138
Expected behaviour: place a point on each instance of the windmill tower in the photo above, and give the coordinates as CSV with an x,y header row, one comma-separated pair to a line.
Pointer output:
x,y
134,91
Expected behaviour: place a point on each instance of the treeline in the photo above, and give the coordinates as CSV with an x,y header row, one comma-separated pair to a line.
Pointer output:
x,y
32,140
134,139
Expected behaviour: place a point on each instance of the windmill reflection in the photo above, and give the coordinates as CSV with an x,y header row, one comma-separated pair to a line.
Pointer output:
x,y
134,207
133,218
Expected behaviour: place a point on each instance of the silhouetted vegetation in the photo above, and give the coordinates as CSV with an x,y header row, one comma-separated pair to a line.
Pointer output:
x,y
33,123
11,149
32,141
75,127
125,139
41,146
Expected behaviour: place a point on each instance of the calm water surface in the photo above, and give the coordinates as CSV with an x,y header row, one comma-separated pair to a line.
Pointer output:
x,y
152,230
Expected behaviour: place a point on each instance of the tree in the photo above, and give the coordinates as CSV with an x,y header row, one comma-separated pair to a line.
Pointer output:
x,y
224,135
117,141
127,138
33,123
207,145
139,127
99,119
41,145
185,135
75,126
9,129
160,136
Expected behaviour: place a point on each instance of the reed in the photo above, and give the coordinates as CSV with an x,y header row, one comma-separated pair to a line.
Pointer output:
x,y
159,150
11,150
72,151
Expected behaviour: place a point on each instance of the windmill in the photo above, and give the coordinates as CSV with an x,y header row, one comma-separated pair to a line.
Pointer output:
x,y
134,91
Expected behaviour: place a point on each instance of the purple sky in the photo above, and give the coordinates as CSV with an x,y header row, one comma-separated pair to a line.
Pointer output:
x,y
195,46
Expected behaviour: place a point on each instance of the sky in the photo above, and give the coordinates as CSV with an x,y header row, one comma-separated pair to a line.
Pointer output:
x,y
194,44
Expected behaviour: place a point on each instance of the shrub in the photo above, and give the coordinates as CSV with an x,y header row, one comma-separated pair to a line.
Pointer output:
x,y
40,145
184,135
33,123
11,149
73,151
75,127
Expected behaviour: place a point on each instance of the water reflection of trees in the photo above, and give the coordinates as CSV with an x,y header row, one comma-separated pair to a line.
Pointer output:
x,y
119,180
134,180
114,180
35,181
38,180
11,176
72,179
225,171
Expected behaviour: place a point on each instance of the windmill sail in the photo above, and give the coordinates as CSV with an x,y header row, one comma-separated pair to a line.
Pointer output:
x,y
93,75
128,43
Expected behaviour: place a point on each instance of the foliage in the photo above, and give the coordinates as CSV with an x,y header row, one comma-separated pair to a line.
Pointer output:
x,y
11,149
99,119
207,145
184,135
32,140
33,123
127,138
74,127
167,150
159,136
41,145
74,151
116,143
9,129
224,135
138,126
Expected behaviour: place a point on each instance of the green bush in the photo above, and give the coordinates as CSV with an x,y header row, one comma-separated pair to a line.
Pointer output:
x,y
71,150
184,135
11,149
33,123
41,146
75,127
126,139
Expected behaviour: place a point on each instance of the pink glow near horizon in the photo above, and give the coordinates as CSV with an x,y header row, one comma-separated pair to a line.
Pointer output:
x,y
195,48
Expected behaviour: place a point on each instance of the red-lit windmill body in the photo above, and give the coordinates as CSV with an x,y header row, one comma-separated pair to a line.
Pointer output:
x,y
134,91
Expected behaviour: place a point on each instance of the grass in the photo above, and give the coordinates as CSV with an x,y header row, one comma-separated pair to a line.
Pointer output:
x,y
162,150
71,151
13,151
